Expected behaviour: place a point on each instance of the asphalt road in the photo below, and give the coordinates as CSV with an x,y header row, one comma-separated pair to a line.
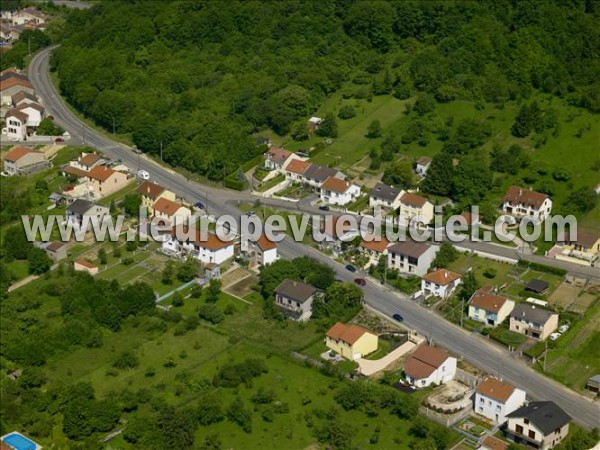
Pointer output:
x,y
474,349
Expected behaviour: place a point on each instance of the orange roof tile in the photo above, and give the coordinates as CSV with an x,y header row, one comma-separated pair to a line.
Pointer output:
x,y
265,243
278,155
494,388
100,173
424,361
441,277
297,166
212,241
150,189
85,263
522,196
15,81
379,245
413,200
17,153
166,206
346,333
89,159
336,185
486,300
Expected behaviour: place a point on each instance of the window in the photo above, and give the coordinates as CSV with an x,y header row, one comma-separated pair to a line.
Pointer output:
x,y
519,429
557,431
481,400
526,421
531,434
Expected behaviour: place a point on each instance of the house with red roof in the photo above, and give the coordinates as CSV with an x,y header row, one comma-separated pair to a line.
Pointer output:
x,y
495,399
277,158
429,365
440,283
265,250
489,308
374,246
415,209
205,247
103,181
335,191
351,341
295,170
520,202
20,160
170,211
151,192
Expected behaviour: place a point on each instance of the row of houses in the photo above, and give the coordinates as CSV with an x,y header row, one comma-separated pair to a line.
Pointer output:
x,y
21,109
13,23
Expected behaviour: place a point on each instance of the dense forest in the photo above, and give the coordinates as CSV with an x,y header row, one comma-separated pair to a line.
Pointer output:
x,y
201,77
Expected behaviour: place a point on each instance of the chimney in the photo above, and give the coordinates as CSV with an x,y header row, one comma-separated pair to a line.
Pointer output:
x,y
445,274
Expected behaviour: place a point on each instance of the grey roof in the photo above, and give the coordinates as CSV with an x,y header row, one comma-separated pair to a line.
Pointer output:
x,y
531,312
538,286
385,192
409,248
546,416
296,290
319,173
595,378
80,206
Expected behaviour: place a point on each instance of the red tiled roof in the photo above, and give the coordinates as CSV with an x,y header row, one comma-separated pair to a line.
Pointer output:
x,y
85,263
212,241
522,196
374,245
265,243
484,299
89,159
494,388
297,166
75,171
441,277
15,81
150,189
100,173
336,185
424,361
278,155
23,117
17,153
166,206
424,160
346,333
413,200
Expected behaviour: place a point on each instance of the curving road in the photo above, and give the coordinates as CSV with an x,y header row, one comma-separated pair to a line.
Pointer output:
x,y
472,348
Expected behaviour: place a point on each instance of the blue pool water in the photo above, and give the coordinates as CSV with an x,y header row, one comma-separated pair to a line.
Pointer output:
x,y
19,442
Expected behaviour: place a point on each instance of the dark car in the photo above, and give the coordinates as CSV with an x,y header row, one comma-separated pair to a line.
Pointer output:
x,y
250,213
398,317
324,208
360,281
350,267
199,205
59,140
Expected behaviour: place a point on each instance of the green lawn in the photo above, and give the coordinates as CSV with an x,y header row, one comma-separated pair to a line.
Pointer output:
x,y
507,337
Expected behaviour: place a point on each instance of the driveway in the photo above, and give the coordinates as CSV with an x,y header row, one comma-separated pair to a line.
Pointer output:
x,y
368,367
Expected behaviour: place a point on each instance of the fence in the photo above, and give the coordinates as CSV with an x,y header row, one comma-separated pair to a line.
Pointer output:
x,y
447,420
466,378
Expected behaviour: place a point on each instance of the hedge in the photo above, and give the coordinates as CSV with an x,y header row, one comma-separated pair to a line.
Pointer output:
x,y
542,268
251,163
232,182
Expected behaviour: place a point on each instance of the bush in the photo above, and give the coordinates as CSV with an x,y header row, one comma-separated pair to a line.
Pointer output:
x,y
127,360
346,112
490,273
127,261
211,313
542,268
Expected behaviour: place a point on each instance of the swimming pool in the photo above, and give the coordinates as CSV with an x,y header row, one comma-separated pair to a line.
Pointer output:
x,y
19,442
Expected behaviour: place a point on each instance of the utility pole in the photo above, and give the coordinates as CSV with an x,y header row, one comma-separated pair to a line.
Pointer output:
x,y
161,148
545,355
29,45
113,123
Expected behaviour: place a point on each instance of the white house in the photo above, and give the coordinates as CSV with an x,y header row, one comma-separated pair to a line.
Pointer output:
x,y
374,247
335,232
415,206
265,250
540,425
520,202
295,170
496,399
428,365
440,283
422,165
295,299
315,175
35,113
277,158
82,212
211,249
339,192
16,125
411,257
489,308
23,160
170,211
385,196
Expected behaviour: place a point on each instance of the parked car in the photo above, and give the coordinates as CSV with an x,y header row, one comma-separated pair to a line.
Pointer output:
x,y
398,317
4,174
360,281
555,336
143,175
199,205
58,140
324,208
251,213
563,328
350,267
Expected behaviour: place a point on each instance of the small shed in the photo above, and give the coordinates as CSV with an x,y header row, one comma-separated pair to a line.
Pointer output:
x,y
56,250
83,265
537,286
593,384
212,271
55,198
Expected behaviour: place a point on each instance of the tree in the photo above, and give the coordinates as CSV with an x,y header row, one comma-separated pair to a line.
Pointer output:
x,y
102,255
445,256
177,427
39,262
341,300
439,175
177,299
213,291
374,129
471,180
188,270
328,127
212,442
211,313
131,246
424,104
271,276
168,273
468,286
528,118
300,131
127,360
400,175
17,247
132,204
48,128
210,410
346,112
240,415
